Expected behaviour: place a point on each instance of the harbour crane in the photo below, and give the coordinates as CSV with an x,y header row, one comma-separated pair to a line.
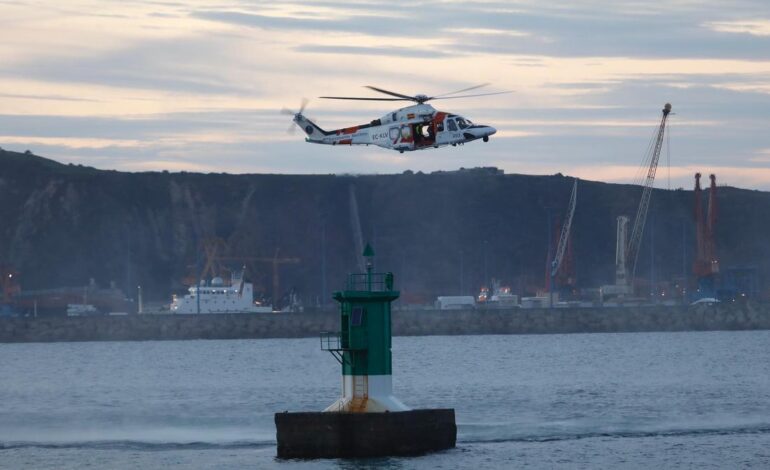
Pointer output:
x,y
565,231
215,250
276,263
706,264
355,223
635,240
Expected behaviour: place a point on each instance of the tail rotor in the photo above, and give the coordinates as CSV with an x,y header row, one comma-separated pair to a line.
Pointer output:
x,y
296,114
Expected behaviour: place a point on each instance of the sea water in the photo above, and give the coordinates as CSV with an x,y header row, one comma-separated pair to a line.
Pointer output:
x,y
649,400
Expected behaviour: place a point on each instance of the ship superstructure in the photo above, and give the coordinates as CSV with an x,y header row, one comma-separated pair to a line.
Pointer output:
x,y
216,297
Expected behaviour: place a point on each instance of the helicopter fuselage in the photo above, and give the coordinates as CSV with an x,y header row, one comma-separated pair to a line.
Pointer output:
x,y
416,127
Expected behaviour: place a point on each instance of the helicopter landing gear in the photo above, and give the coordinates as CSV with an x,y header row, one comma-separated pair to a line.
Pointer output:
x,y
486,138
400,151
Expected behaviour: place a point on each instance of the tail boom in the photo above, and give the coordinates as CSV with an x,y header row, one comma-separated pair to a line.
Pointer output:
x,y
356,135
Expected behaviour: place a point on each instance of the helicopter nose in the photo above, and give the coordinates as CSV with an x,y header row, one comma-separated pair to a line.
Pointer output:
x,y
483,132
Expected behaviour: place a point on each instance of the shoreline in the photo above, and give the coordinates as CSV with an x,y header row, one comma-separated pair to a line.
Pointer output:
x,y
746,316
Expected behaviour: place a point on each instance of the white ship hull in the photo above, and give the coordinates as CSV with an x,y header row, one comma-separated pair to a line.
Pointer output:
x,y
238,297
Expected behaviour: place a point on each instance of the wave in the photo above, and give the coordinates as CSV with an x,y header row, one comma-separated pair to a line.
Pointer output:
x,y
138,437
469,433
138,445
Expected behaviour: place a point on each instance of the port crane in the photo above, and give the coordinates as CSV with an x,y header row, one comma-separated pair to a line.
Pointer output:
x,y
215,250
565,232
275,261
706,264
628,265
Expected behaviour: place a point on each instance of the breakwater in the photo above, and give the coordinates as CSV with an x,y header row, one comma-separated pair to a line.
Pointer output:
x,y
745,316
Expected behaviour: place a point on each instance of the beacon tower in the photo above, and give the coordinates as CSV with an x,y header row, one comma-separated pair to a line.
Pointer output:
x,y
363,344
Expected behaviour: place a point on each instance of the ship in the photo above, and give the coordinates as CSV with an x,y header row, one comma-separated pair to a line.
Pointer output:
x,y
216,297
500,296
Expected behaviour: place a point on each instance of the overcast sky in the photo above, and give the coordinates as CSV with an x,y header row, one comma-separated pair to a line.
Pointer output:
x,y
197,85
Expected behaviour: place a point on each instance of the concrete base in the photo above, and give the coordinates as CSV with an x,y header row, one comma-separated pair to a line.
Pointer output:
x,y
355,435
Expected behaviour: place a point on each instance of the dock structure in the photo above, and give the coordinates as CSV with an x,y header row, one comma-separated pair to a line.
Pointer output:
x,y
367,420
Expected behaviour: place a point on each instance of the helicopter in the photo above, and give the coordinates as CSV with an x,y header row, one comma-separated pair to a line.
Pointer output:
x,y
416,127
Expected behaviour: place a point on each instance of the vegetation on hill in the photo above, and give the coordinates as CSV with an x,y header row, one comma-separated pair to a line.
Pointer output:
x,y
443,233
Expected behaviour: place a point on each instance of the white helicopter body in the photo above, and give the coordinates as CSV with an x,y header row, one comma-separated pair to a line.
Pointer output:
x,y
416,127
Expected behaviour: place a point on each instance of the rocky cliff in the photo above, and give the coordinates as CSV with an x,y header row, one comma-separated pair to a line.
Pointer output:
x,y
61,225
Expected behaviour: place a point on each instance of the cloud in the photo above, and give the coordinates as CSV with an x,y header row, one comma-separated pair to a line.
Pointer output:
x,y
487,32
70,142
752,87
151,65
681,176
275,22
44,97
752,27
197,84
762,156
370,51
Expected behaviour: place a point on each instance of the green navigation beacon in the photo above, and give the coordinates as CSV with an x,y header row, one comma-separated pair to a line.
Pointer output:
x,y
367,421
363,344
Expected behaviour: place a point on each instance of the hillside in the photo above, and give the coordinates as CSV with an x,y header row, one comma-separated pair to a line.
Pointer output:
x,y
63,225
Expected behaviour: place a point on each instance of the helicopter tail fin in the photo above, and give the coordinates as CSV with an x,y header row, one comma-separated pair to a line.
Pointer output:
x,y
311,129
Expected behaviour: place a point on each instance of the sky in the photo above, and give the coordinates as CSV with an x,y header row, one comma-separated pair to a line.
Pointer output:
x,y
198,85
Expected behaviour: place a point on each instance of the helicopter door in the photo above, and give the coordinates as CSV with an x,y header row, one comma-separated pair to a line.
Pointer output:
x,y
424,134
451,133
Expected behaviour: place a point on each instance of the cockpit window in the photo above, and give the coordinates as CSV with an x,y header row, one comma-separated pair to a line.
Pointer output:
x,y
451,124
461,122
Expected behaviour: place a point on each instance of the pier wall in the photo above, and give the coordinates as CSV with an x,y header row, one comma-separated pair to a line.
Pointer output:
x,y
748,316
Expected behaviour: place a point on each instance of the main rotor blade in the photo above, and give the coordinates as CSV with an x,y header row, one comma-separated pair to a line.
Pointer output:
x,y
364,99
391,93
461,91
471,96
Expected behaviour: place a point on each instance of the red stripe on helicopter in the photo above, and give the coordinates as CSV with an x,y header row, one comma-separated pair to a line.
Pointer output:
x,y
348,130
